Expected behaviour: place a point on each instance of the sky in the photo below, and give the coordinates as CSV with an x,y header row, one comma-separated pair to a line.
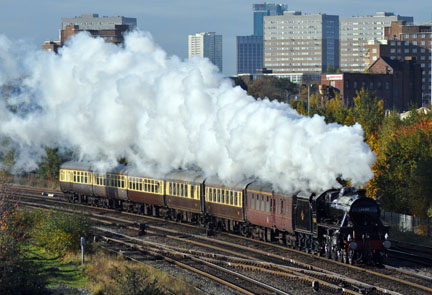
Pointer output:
x,y
171,21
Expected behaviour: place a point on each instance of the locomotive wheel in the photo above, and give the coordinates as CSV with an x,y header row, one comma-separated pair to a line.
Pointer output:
x,y
350,257
344,256
244,230
328,251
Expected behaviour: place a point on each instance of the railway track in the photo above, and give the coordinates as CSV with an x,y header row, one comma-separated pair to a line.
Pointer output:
x,y
387,278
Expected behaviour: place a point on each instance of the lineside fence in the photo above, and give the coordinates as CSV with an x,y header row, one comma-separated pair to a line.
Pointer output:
x,y
408,223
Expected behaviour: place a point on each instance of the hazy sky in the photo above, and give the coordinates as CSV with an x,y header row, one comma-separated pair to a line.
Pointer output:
x,y
171,21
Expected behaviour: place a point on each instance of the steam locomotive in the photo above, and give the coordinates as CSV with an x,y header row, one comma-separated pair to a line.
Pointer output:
x,y
342,224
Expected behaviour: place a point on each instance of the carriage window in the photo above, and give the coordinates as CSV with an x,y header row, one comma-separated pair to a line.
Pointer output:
x,y
252,202
231,198
235,198
223,196
262,203
257,207
268,204
218,195
139,184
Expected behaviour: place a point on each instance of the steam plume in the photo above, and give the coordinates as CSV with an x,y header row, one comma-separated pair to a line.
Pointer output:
x,y
105,102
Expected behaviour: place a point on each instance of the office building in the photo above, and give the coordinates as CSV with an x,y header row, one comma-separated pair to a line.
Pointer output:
x,y
206,45
407,42
249,54
250,48
92,21
111,29
301,43
356,32
262,10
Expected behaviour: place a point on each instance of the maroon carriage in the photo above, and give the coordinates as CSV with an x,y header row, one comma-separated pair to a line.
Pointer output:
x,y
183,190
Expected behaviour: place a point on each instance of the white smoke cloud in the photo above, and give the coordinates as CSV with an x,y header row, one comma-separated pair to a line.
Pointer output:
x,y
106,102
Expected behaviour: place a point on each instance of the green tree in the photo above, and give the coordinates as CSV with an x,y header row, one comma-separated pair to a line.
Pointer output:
x,y
330,69
273,88
335,111
368,111
50,166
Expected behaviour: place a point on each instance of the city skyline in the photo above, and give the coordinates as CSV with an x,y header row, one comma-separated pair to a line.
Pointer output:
x,y
170,22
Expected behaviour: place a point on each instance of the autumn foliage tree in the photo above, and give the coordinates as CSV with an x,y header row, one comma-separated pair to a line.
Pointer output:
x,y
403,169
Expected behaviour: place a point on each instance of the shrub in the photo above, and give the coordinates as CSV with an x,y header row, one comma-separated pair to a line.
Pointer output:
x,y
17,276
60,233
131,281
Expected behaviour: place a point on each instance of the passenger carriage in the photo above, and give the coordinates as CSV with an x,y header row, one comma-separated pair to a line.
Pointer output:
x,y
145,193
271,211
76,180
110,187
225,203
183,193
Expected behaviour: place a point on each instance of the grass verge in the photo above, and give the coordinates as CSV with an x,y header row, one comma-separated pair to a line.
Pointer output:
x,y
104,274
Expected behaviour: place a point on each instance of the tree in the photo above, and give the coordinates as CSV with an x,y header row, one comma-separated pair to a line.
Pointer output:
x,y
239,82
369,112
49,167
272,88
330,69
403,168
336,112
14,226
